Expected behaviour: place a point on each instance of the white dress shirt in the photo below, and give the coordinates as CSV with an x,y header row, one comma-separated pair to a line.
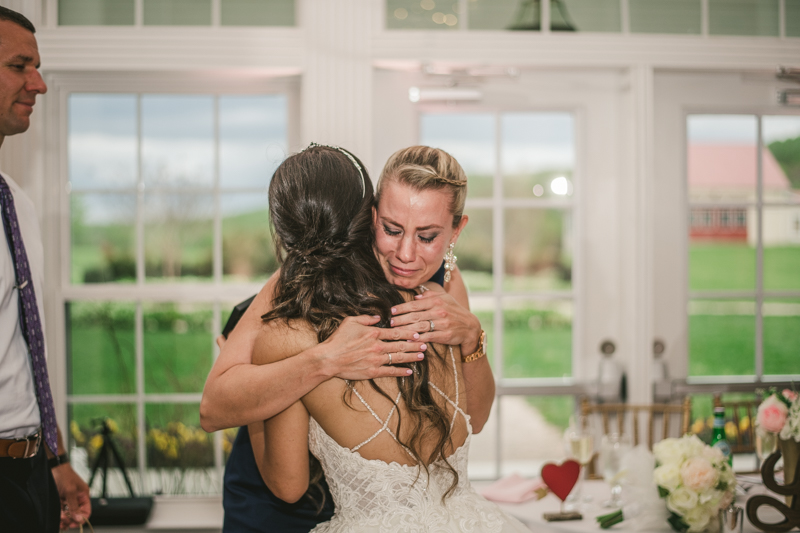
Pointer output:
x,y
19,410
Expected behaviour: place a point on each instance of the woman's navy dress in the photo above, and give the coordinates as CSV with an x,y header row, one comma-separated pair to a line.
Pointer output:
x,y
249,504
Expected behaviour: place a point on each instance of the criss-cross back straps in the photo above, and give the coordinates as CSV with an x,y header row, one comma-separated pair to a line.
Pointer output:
x,y
454,404
384,423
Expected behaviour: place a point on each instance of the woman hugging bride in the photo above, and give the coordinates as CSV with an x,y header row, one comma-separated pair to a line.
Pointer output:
x,y
393,449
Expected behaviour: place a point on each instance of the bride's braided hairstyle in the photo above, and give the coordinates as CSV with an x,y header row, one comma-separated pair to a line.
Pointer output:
x,y
321,203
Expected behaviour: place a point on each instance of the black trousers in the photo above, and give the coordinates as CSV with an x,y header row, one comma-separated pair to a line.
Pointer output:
x,y
29,500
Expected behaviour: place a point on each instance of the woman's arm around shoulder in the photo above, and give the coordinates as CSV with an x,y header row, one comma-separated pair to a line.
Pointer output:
x,y
280,444
237,392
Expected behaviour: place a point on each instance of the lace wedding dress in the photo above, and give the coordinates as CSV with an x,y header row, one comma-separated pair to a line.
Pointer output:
x,y
374,496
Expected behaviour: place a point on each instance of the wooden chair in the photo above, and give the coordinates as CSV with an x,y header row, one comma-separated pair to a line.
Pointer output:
x,y
627,417
742,441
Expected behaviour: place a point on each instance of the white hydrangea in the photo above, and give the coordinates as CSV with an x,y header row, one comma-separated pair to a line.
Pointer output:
x,y
791,430
691,472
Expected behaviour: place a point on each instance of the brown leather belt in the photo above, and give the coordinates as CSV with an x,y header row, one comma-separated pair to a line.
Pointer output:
x,y
23,448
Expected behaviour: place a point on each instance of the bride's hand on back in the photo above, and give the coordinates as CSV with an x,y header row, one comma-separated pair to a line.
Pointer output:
x,y
357,350
453,324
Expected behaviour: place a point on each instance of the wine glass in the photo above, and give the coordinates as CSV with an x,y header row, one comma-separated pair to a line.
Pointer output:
x,y
581,448
612,452
766,444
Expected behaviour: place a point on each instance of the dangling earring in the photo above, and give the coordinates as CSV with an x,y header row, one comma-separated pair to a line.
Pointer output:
x,y
449,262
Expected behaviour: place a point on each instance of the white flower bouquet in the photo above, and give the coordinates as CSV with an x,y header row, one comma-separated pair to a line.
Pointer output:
x,y
695,481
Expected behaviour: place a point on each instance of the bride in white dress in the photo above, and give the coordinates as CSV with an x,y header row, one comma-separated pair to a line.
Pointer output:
x,y
393,450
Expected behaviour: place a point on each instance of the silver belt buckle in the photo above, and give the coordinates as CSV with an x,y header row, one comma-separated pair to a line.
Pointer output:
x,y
31,439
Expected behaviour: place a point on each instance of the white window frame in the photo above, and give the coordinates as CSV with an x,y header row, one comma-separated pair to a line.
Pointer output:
x,y
758,295
215,292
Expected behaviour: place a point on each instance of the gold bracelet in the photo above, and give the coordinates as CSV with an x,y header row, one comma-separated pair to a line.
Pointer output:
x,y
477,354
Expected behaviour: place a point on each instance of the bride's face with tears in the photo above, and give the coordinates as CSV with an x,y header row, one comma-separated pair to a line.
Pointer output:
x,y
413,231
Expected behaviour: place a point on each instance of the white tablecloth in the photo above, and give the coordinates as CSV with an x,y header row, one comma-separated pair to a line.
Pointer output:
x,y
530,513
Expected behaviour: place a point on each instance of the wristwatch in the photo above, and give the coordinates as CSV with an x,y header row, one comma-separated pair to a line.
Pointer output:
x,y
477,354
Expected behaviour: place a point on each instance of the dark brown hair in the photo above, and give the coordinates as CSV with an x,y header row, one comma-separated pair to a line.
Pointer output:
x,y
321,214
17,18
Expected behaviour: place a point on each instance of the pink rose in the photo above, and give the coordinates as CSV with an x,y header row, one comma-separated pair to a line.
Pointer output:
x,y
698,474
789,395
771,414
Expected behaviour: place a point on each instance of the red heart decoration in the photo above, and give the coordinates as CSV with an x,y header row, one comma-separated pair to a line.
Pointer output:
x,y
561,478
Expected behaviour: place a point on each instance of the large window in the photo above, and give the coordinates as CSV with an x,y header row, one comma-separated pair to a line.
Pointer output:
x,y
175,12
167,207
744,252
687,17
516,255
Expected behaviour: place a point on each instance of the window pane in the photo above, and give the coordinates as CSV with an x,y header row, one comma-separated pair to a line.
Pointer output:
x,y
793,18
180,455
721,337
101,347
422,15
657,16
177,12
103,247
483,308
537,338
720,265
538,155
722,158
483,449
474,250
85,442
781,248
743,17
591,15
178,236
257,13
177,140
102,141
470,138
247,249
178,347
95,12
532,429
782,158
253,139
538,249
781,336
503,15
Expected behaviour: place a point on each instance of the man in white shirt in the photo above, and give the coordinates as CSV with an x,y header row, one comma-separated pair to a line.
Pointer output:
x,y
39,490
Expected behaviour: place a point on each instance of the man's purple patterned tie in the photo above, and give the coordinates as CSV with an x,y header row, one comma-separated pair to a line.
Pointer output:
x,y
29,316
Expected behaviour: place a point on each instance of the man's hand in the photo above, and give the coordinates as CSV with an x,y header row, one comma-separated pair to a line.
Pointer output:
x,y
73,491
357,350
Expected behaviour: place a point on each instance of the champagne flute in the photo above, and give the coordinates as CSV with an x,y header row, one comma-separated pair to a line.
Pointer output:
x,y
582,450
612,452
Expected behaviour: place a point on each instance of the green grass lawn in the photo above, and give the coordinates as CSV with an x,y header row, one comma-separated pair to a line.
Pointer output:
x,y
537,341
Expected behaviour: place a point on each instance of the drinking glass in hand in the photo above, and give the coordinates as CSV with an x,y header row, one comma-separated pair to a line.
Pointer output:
x,y
612,452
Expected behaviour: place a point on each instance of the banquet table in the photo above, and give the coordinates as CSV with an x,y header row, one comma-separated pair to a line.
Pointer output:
x,y
530,513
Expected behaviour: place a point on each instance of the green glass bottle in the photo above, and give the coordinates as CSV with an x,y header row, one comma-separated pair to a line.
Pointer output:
x,y
718,438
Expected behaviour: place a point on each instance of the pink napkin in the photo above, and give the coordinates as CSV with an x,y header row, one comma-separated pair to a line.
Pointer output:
x,y
515,489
